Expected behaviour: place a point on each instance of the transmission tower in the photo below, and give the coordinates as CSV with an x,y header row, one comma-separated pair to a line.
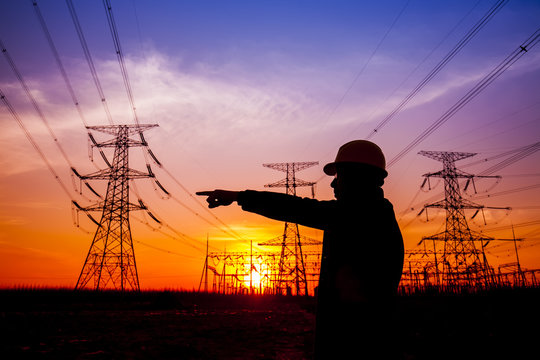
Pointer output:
x,y
292,269
110,263
463,260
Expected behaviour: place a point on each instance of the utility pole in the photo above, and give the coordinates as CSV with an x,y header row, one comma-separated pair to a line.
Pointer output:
x,y
520,274
461,261
291,263
204,274
110,263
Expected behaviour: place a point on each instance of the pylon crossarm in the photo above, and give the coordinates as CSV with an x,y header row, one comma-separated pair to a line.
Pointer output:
x,y
296,166
130,129
455,174
443,236
284,183
111,173
446,156
411,253
277,241
114,142
442,204
99,207
280,183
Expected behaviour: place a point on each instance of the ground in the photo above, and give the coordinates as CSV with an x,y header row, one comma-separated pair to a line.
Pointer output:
x,y
59,324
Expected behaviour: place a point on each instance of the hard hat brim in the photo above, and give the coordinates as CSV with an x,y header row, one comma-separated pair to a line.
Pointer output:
x,y
330,169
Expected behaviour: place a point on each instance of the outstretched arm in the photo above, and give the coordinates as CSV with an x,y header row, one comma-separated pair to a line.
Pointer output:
x,y
277,206
219,197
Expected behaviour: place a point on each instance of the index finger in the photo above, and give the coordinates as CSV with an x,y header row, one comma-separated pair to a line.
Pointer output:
x,y
204,193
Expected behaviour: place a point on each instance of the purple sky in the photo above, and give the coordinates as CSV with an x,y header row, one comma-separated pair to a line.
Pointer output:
x,y
237,84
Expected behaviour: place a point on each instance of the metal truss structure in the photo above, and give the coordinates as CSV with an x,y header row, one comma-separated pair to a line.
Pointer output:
x,y
292,270
456,260
110,263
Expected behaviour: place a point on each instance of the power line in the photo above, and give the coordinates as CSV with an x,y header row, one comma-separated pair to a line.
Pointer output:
x,y
34,103
120,56
66,78
161,222
455,50
521,153
498,156
89,60
510,191
41,153
58,61
507,118
506,227
477,89
165,250
34,144
368,60
361,71
420,63
205,208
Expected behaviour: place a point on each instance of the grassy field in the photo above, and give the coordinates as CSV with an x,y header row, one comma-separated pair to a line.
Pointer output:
x,y
62,324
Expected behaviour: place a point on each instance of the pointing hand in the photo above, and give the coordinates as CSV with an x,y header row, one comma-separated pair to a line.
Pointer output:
x,y
219,197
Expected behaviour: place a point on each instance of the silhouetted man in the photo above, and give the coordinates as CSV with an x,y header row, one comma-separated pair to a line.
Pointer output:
x,y
362,256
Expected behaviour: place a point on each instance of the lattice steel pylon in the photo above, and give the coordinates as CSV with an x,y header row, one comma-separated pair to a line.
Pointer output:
x,y
292,269
463,263
110,263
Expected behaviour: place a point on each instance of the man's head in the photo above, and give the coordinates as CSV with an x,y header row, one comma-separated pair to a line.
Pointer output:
x,y
359,165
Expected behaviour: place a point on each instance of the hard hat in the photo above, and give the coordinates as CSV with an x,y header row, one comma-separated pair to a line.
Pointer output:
x,y
358,152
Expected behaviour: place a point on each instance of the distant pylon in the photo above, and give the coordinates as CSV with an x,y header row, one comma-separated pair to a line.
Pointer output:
x,y
463,262
110,263
291,262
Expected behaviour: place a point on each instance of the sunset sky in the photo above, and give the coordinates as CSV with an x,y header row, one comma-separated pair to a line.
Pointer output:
x,y
235,84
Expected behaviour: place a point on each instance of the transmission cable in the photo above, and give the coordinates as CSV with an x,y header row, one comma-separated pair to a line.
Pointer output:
x,y
361,71
418,65
368,60
498,156
165,250
66,81
477,89
34,143
522,153
58,61
506,227
157,219
120,56
510,191
34,103
38,149
89,60
448,57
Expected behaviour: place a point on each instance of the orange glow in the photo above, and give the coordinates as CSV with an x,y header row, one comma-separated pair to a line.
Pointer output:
x,y
261,92
254,279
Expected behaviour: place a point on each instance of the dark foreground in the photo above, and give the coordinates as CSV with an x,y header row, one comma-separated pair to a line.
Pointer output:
x,y
61,324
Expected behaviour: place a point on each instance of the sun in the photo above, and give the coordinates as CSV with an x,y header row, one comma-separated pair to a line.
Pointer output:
x,y
254,279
